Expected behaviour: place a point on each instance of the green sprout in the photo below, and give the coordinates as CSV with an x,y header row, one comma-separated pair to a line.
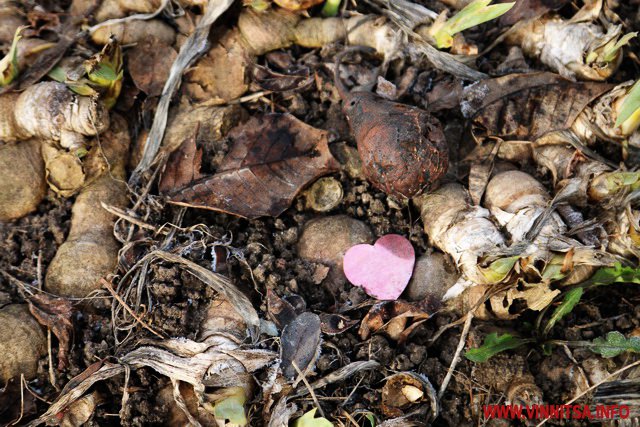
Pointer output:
x,y
609,52
494,344
629,114
99,75
475,13
105,71
9,64
331,8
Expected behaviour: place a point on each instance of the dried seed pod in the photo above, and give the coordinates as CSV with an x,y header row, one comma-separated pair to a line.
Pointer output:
x,y
403,148
51,111
22,343
22,181
324,194
405,390
91,251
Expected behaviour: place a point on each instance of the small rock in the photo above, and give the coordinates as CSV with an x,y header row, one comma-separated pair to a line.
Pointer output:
x,y
433,274
326,240
324,195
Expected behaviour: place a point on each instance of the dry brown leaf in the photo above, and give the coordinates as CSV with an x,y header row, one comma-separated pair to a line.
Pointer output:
x,y
527,106
274,81
272,159
183,166
392,318
300,344
55,314
279,310
149,64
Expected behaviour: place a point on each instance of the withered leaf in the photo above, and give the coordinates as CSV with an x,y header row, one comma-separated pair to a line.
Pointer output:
x,y
278,82
391,317
149,64
55,314
300,344
272,159
280,311
183,166
333,324
527,106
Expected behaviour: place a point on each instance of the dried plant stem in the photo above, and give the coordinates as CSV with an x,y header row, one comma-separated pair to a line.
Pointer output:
x,y
194,46
456,356
144,324
303,377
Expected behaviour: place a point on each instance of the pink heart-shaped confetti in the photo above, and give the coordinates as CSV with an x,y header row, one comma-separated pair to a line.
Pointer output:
x,y
382,270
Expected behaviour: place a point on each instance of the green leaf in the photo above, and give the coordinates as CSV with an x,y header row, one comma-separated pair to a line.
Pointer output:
x,y
308,420
475,13
571,298
615,344
371,419
331,8
610,53
499,269
630,105
232,407
9,64
57,74
494,344
616,274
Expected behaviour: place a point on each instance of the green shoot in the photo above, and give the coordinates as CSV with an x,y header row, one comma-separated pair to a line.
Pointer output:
x,y
231,407
494,344
571,299
615,344
616,274
331,8
629,114
257,5
611,51
9,64
616,181
475,13
499,269
308,420
105,71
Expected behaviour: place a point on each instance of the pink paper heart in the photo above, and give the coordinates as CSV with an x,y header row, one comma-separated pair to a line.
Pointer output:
x,y
382,270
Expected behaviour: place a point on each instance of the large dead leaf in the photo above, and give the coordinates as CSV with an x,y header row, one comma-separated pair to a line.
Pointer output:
x,y
272,158
149,64
527,106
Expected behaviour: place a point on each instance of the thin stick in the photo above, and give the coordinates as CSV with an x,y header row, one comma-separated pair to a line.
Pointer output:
x,y
136,17
607,378
126,307
456,356
302,376
52,374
